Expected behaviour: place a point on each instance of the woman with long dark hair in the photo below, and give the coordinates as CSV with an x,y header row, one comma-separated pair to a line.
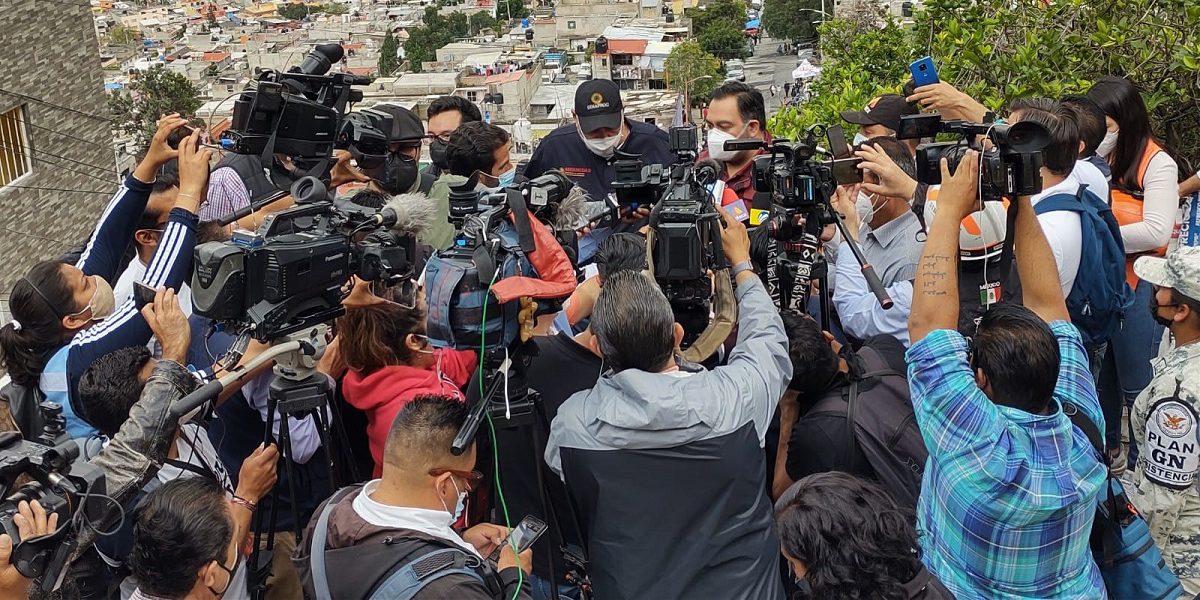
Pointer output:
x,y
381,342
845,538
1145,201
65,315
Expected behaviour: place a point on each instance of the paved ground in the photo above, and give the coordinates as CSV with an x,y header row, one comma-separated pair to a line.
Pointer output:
x,y
767,67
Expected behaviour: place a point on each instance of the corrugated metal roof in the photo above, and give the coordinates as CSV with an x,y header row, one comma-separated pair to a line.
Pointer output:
x,y
627,47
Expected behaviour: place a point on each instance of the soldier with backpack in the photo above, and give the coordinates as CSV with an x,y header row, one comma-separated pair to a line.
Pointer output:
x,y
393,538
848,411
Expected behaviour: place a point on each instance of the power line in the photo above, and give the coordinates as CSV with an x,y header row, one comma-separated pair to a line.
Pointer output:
x,y
61,166
31,151
58,106
32,235
64,134
50,189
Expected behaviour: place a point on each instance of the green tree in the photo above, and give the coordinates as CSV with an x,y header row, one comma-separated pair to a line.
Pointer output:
x,y
791,19
295,12
120,35
719,11
507,10
481,21
724,40
154,93
998,51
422,44
333,8
457,25
389,61
689,69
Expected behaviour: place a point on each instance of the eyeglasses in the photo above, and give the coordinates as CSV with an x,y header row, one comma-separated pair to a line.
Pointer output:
x,y
445,137
471,477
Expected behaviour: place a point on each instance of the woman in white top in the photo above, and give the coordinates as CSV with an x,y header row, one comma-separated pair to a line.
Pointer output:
x,y
1145,199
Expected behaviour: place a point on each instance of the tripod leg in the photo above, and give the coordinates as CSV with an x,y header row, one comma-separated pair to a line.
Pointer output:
x,y
285,445
323,434
257,583
825,304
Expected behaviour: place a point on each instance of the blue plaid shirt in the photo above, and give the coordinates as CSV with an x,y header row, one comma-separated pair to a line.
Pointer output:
x,y
1008,497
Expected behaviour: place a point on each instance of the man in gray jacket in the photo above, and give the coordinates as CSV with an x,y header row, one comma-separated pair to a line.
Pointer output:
x,y
667,466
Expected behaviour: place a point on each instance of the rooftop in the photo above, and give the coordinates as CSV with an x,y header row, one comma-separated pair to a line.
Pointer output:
x,y
626,46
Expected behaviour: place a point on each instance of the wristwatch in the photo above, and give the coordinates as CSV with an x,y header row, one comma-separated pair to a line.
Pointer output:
x,y
745,265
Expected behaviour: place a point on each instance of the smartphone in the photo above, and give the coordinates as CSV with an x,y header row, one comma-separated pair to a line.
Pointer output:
x,y
522,536
837,141
846,171
142,294
924,72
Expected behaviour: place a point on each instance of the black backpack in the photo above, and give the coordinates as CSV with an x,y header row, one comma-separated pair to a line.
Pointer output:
x,y
885,428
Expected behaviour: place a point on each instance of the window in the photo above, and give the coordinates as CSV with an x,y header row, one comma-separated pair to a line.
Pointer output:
x,y
570,24
14,145
472,96
624,60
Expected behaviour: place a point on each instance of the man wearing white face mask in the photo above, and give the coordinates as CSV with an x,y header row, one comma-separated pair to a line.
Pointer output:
x,y
413,507
736,111
586,149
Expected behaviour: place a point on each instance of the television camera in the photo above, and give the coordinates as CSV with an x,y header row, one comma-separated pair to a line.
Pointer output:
x,y
799,178
62,486
685,241
1009,165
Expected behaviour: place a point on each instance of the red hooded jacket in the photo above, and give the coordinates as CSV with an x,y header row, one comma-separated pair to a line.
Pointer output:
x,y
383,393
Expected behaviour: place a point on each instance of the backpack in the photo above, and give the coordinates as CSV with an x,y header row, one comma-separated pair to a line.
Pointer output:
x,y
462,312
403,583
1100,295
1130,562
885,429
250,170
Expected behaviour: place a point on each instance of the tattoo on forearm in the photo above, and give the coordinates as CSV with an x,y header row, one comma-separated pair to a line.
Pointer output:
x,y
934,273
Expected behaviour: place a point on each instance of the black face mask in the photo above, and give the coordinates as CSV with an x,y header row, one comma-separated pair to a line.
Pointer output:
x,y
1154,306
437,154
396,175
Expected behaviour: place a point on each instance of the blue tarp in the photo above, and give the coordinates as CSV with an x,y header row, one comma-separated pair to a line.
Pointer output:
x,y
753,24
114,86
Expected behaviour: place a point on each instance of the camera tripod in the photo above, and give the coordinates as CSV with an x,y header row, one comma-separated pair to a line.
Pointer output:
x,y
297,390
510,403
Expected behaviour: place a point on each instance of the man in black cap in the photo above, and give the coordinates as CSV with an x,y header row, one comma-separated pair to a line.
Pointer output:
x,y
586,150
395,172
881,118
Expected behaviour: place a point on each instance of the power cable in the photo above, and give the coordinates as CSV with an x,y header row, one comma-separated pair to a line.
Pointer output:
x,y
27,123
52,189
30,150
58,106
63,167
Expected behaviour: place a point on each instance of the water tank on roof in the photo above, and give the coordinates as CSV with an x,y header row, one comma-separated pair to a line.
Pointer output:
x,y
601,45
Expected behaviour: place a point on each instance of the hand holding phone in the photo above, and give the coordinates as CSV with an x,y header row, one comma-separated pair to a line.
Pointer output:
x,y
924,72
142,294
522,536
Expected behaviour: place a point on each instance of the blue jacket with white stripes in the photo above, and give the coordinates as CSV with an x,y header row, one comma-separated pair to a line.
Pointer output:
x,y
126,326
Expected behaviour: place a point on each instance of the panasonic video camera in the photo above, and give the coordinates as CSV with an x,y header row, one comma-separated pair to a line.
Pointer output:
x,y
290,273
299,114
1010,165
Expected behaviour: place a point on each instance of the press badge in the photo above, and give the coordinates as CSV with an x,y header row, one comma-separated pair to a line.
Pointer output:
x,y
1172,453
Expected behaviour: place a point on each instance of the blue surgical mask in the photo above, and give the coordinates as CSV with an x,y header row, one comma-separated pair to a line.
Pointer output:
x,y
459,506
508,177
859,138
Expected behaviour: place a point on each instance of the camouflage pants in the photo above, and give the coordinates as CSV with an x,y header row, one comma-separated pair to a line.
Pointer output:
x,y
1174,521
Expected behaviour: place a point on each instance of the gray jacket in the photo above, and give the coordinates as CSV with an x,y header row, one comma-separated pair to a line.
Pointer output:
x,y
669,474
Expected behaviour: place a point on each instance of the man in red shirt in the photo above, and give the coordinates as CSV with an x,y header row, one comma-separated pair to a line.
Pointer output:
x,y
736,111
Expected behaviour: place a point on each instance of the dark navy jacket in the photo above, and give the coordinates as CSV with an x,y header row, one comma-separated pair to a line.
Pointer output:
x,y
564,150
669,474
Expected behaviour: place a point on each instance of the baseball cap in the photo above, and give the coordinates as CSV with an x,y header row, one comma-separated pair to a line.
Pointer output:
x,y
1180,271
885,110
598,104
406,125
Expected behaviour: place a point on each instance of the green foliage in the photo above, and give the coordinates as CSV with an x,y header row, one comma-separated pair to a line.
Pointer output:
x,y
507,10
724,40
726,12
791,19
120,35
999,50
481,21
389,61
423,42
298,12
688,62
154,93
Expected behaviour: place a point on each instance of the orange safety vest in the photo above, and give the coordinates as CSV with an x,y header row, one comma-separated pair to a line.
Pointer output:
x,y
1127,207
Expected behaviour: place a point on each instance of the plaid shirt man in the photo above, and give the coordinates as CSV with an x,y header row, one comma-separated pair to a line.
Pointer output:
x,y
1008,497
226,194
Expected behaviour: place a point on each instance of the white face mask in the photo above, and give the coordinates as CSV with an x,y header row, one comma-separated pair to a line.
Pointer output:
x,y
865,206
716,145
859,138
1108,144
459,506
603,147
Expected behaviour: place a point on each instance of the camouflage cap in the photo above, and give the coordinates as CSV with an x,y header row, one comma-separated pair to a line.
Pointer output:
x,y
1180,271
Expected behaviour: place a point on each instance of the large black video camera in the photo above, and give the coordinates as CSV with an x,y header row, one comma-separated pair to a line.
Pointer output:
x,y
299,114
73,490
1009,167
290,273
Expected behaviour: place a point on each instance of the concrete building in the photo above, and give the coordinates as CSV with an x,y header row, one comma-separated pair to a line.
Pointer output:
x,y
580,21
56,156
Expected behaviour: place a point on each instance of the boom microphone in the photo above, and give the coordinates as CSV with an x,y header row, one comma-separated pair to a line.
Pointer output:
x,y
708,171
409,214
